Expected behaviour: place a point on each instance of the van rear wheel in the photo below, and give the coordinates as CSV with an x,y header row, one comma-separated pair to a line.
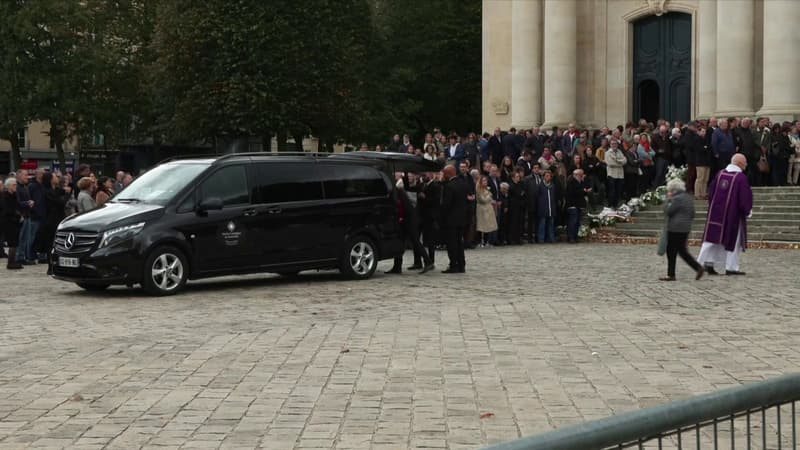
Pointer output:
x,y
360,258
165,271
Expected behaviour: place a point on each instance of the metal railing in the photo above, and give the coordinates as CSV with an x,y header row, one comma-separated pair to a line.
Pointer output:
x,y
755,416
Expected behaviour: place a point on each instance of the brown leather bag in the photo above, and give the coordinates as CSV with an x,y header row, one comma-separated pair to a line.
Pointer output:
x,y
763,164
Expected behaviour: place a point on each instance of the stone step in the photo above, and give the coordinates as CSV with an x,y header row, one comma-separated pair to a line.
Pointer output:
x,y
751,235
778,225
758,216
776,189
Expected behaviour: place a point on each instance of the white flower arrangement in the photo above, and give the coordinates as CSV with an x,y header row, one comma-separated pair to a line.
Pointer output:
x,y
677,173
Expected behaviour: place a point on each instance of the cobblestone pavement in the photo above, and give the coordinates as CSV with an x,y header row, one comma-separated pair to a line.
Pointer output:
x,y
539,336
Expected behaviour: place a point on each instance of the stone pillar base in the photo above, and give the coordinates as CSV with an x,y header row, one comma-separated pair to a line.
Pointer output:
x,y
781,113
734,113
562,124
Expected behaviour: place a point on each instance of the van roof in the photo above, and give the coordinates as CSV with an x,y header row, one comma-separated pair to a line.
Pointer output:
x,y
400,161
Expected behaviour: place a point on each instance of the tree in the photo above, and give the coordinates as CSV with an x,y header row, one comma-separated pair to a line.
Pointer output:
x,y
15,84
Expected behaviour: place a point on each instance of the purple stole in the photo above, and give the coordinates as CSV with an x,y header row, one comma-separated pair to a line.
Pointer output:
x,y
730,202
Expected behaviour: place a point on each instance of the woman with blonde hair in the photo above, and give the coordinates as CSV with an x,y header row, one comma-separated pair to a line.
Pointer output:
x,y
486,220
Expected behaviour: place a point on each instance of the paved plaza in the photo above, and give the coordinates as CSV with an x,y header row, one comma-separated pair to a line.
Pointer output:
x,y
531,338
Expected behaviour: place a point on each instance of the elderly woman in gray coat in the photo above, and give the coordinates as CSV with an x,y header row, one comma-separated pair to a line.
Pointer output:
x,y
680,214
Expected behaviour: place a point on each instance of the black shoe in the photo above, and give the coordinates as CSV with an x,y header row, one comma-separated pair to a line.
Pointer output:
x,y
427,268
710,270
13,266
450,270
734,272
394,271
415,267
29,262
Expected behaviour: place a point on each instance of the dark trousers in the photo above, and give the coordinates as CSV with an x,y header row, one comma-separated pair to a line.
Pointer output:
x,y
532,224
779,168
631,185
615,186
515,218
661,171
573,223
676,245
420,255
691,177
454,240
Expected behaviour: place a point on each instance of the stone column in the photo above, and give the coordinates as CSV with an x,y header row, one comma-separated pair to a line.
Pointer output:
x,y
560,62
707,59
735,58
526,57
781,60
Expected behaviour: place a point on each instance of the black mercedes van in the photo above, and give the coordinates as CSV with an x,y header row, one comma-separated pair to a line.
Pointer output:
x,y
240,213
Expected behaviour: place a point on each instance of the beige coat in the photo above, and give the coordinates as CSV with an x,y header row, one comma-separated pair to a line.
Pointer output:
x,y
486,222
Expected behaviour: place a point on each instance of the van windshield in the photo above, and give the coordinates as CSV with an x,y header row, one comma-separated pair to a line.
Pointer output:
x,y
159,185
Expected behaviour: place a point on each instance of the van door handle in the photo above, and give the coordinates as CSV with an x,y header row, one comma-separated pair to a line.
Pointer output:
x,y
274,210
250,212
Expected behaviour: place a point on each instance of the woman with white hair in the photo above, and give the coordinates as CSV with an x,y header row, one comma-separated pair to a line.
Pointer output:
x,y
680,214
10,221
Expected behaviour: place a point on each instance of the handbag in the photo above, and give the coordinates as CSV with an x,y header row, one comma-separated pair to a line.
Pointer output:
x,y
763,164
662,242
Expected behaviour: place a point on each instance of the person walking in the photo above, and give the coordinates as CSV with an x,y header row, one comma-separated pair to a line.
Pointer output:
x,y
409,224
730,203
679,211
10,221
430,202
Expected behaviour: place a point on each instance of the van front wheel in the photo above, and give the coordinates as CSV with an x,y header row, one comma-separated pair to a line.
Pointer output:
x,y
360,258
165,271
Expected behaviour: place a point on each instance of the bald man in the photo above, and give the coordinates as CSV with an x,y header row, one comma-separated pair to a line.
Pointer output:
x,y
454,218
730,202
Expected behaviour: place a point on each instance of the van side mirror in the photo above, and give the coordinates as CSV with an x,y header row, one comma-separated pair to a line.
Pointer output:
x,y
210,204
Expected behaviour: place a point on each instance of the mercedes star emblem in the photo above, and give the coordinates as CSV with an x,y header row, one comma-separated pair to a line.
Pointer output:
x,y
69,241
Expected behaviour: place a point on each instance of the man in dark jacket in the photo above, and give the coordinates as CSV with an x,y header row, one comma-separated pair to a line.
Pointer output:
x,y
27,233
575,196
429,204
496,147
745,142
454,218
512,145
38,214
531,185
409,224
662,145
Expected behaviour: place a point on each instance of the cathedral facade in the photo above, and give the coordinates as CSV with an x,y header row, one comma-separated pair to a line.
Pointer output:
x,y
606,62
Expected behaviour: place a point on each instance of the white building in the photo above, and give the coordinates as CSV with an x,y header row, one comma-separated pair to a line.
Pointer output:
x,y
606,62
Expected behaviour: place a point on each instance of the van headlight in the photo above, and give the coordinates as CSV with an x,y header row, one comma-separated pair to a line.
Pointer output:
x,y
120,234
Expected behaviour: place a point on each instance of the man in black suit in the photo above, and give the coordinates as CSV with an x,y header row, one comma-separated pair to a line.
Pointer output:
x,y
496,147
454,218
531,186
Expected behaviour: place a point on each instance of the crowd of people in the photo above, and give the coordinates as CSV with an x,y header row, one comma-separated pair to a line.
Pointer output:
x,y
523,184
32,206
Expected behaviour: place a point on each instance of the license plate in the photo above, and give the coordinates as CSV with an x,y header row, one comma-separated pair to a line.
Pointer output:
x,y
68,262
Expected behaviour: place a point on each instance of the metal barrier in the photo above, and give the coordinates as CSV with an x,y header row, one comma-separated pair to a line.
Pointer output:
x,y
755,416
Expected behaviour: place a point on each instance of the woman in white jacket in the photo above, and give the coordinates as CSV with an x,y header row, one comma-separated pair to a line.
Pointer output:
x,y
615,163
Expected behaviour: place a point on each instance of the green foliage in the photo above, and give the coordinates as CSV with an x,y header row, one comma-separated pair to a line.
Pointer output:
x,y
184,71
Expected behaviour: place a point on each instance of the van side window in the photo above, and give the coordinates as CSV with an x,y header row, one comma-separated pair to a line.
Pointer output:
x,y
342,181
229,184
279,183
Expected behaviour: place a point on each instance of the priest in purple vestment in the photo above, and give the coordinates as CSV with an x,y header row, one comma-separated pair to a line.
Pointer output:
x,y
730,202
